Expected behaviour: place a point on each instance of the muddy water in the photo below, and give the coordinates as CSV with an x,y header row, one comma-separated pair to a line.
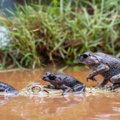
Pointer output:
x,y
92,107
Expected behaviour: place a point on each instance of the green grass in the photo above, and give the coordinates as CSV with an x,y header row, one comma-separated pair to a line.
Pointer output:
x,y
60,30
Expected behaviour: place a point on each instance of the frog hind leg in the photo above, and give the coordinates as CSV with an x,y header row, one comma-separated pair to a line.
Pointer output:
x,y
79,88
116,81
65,89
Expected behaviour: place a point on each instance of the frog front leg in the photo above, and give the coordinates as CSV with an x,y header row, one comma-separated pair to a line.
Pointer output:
x,y
79,88
100,69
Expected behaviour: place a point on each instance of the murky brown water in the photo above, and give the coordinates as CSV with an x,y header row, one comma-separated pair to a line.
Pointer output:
x,y
93,107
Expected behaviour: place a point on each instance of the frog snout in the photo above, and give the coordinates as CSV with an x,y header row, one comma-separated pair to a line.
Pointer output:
x,y
45,78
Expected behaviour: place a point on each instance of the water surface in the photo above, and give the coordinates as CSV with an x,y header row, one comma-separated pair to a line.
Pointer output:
x,y
92,107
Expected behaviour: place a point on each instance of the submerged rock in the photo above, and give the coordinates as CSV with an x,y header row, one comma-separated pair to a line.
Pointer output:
x,y
36,89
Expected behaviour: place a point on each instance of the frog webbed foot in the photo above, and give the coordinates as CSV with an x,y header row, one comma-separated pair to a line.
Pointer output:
x,y
114,87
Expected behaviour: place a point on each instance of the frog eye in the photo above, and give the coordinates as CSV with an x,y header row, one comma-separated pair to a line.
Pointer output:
x,y
85,56
52,77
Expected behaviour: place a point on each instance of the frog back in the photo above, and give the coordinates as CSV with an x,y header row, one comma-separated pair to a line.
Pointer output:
x,y
68,80
109,60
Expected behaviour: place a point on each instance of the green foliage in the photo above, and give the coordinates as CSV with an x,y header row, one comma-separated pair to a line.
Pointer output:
x,y
60,30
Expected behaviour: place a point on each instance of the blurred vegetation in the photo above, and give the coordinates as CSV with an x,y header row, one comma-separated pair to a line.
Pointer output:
x,y
56,31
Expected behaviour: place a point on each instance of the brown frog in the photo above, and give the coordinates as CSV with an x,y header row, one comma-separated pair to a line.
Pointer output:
x,y
64,82
106,65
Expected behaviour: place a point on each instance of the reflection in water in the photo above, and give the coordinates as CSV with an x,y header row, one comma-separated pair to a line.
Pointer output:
x,y
4,99
48,105
35,107
87,107
65,108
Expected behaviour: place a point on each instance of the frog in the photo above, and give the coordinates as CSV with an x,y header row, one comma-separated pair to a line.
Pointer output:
x,y
64,82
4,87
102,64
